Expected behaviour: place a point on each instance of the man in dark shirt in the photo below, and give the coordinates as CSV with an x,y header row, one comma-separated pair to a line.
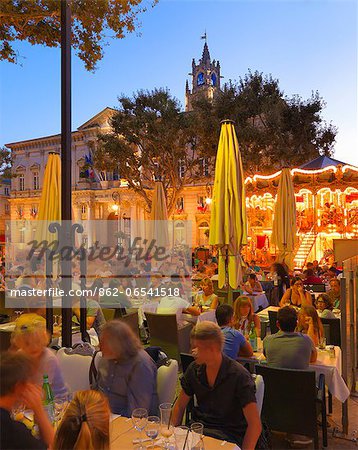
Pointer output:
x,y
15,387
224,391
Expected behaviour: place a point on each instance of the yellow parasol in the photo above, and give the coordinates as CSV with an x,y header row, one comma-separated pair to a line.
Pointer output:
x,y
50,202
228,224
284,223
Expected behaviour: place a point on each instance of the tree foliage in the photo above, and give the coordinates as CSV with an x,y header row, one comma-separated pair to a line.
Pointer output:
x,y
150,138
5,162
273,130
38,22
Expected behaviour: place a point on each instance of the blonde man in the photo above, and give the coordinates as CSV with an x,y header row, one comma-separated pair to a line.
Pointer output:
x,y
223,388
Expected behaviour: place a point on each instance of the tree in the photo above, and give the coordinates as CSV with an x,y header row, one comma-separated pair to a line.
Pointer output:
x,y
5,162
38,22
152,139
273,130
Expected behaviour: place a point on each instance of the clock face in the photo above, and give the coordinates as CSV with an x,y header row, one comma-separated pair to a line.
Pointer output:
x,y
200,79
213,79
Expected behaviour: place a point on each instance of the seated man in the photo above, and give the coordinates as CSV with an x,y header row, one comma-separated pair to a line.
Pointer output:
x,y
223,388
16,370
288,349
311,278
235,343
95,317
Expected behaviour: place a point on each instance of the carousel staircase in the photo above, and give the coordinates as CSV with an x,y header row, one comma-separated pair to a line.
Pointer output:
x,y
305,248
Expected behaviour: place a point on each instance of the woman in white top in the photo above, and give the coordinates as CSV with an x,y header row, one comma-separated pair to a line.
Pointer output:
x,y
207,297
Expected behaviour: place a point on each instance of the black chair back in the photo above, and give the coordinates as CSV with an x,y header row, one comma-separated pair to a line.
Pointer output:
x,y
333,337
290,401
273,319
315,287
186,359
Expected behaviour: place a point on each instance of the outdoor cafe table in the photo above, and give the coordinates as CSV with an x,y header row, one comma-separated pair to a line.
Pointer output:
x,y
330,367
258,299
122,435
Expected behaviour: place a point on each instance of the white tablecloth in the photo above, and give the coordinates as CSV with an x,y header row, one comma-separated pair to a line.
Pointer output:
x,y
204,316
258,300
332,370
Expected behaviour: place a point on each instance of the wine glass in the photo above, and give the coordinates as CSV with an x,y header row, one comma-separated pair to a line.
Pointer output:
x,y
61,403
152,428
139,419
166,428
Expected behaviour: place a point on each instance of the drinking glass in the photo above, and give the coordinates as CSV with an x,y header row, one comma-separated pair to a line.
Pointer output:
x,y
152,428
181,435
322,343
197,431
61,403
166,428
139,419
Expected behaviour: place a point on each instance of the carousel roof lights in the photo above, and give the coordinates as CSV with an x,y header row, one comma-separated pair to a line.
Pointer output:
x,y
313,172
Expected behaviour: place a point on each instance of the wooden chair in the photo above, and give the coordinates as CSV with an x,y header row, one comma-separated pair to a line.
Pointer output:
x,y
164,333
291,400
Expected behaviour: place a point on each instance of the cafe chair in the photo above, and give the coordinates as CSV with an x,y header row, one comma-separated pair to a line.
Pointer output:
x,y
291,402
5,340
131,319
164,333
186,359
75,369
272,320
332,331
167,378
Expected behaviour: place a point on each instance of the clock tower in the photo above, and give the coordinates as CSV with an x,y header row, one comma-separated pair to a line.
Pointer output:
x,y
205,78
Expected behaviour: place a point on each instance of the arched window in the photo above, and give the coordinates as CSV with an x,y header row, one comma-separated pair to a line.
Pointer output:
x,y
200,79
203,235
213,79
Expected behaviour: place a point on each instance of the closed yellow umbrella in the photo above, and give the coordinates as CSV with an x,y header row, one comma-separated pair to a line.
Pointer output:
x,y
159,217
284,223
50,202
228,223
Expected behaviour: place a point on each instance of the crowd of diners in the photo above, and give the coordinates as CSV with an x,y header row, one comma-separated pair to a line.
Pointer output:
x,y
126,378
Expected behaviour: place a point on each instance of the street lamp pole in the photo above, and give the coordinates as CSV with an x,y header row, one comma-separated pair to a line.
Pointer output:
x,y
66,164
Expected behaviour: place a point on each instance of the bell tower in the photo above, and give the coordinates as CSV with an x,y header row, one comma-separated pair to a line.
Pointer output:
x,y
205,78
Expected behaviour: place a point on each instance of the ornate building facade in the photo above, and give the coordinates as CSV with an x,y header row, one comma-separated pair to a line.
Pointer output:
x,y
326,191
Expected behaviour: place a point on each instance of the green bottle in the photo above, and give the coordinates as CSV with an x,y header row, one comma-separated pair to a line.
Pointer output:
x,y
253,337
48,399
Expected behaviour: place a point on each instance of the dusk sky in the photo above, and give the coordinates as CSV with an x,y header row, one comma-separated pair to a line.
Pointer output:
x,y
307,45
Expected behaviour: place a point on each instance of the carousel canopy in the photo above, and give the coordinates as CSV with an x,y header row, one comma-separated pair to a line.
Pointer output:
x,y
321,162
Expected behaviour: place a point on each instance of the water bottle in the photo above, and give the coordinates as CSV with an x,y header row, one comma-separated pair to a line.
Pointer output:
x,y
253,337
48,399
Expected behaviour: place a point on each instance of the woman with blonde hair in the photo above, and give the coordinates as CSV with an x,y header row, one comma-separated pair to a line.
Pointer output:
x,y
85,425
31,337
127,375
309,323
244,315
207,297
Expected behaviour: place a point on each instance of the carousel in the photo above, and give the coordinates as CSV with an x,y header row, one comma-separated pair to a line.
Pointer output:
x,y
326,193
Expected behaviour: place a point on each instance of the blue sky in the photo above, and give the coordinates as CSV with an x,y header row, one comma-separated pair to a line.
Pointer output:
x,y
308,45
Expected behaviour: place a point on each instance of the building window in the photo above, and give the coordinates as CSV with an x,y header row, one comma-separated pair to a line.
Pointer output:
x,y
200,80
83,209
204,165
21,182
7,191
181,168
36,181
7,208
180,204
